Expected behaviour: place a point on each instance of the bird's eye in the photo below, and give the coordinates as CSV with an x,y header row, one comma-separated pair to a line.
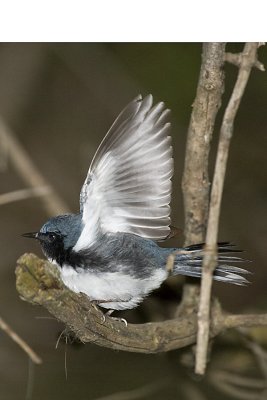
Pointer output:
x,y
52,236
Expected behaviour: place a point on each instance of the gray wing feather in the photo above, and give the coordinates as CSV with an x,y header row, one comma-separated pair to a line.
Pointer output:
x,y
128,186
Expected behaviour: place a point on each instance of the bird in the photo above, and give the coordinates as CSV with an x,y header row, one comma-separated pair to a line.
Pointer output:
x,y
110,250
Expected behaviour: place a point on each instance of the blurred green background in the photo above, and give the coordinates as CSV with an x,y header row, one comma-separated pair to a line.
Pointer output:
x,y
60,99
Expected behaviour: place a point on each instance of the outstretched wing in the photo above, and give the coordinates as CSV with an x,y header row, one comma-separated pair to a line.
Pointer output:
x,y
128,185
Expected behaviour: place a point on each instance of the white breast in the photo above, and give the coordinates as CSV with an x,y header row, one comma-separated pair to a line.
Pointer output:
x,y
119,291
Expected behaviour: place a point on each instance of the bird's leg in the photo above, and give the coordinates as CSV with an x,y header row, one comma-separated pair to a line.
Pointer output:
x,y
95,304
109,312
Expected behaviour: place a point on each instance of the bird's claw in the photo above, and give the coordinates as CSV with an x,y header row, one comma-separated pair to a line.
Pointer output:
x,y
95,304
120,320
108,313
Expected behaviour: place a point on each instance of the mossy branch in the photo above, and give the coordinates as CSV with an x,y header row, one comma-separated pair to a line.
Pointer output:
x,y
38,282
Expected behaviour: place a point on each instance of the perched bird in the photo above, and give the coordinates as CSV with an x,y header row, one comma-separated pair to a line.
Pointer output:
x,y
109,250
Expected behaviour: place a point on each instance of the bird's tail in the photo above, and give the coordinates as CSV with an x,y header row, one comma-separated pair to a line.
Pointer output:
x,y
189,262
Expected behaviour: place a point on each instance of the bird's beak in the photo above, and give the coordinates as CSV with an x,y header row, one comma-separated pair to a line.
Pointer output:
x,y
32,235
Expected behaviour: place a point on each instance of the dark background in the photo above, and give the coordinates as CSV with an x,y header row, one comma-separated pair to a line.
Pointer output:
x,y
60,99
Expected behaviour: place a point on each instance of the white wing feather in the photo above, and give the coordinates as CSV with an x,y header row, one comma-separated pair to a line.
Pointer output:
x,y
128,185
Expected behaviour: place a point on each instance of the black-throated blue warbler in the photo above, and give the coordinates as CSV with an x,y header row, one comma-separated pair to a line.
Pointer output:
x,y
109,250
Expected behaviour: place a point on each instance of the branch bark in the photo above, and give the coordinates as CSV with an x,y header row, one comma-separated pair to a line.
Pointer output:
x,y
248,59
195,183
38,282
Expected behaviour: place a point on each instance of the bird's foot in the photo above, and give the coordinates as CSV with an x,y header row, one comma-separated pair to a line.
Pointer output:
x,y
95,304
108,313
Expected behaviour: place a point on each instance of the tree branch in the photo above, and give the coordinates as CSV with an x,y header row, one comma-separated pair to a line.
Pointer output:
x,y
29,173
17,339
195,183
38,282
248,60
23,194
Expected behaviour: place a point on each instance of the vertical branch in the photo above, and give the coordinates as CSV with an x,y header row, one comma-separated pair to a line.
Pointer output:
x,y
247,60
195,182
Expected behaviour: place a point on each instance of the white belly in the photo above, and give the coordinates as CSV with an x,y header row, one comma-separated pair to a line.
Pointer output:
x,y
119,291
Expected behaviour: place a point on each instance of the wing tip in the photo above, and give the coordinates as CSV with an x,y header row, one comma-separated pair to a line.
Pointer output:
x,y
149,99
138,98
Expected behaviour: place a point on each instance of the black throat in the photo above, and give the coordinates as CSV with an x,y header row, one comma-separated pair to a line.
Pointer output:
x,y
56,251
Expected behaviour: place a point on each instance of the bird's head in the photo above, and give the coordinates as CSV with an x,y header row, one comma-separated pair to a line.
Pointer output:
x,y
58,235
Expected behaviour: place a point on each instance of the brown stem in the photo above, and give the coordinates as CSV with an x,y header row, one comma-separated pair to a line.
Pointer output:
x,y
195,182
245,321
248,60
17,339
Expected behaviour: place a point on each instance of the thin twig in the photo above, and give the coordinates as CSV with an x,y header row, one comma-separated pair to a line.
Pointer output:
x,y
249,57
236,59
14,336
23,194
29,173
